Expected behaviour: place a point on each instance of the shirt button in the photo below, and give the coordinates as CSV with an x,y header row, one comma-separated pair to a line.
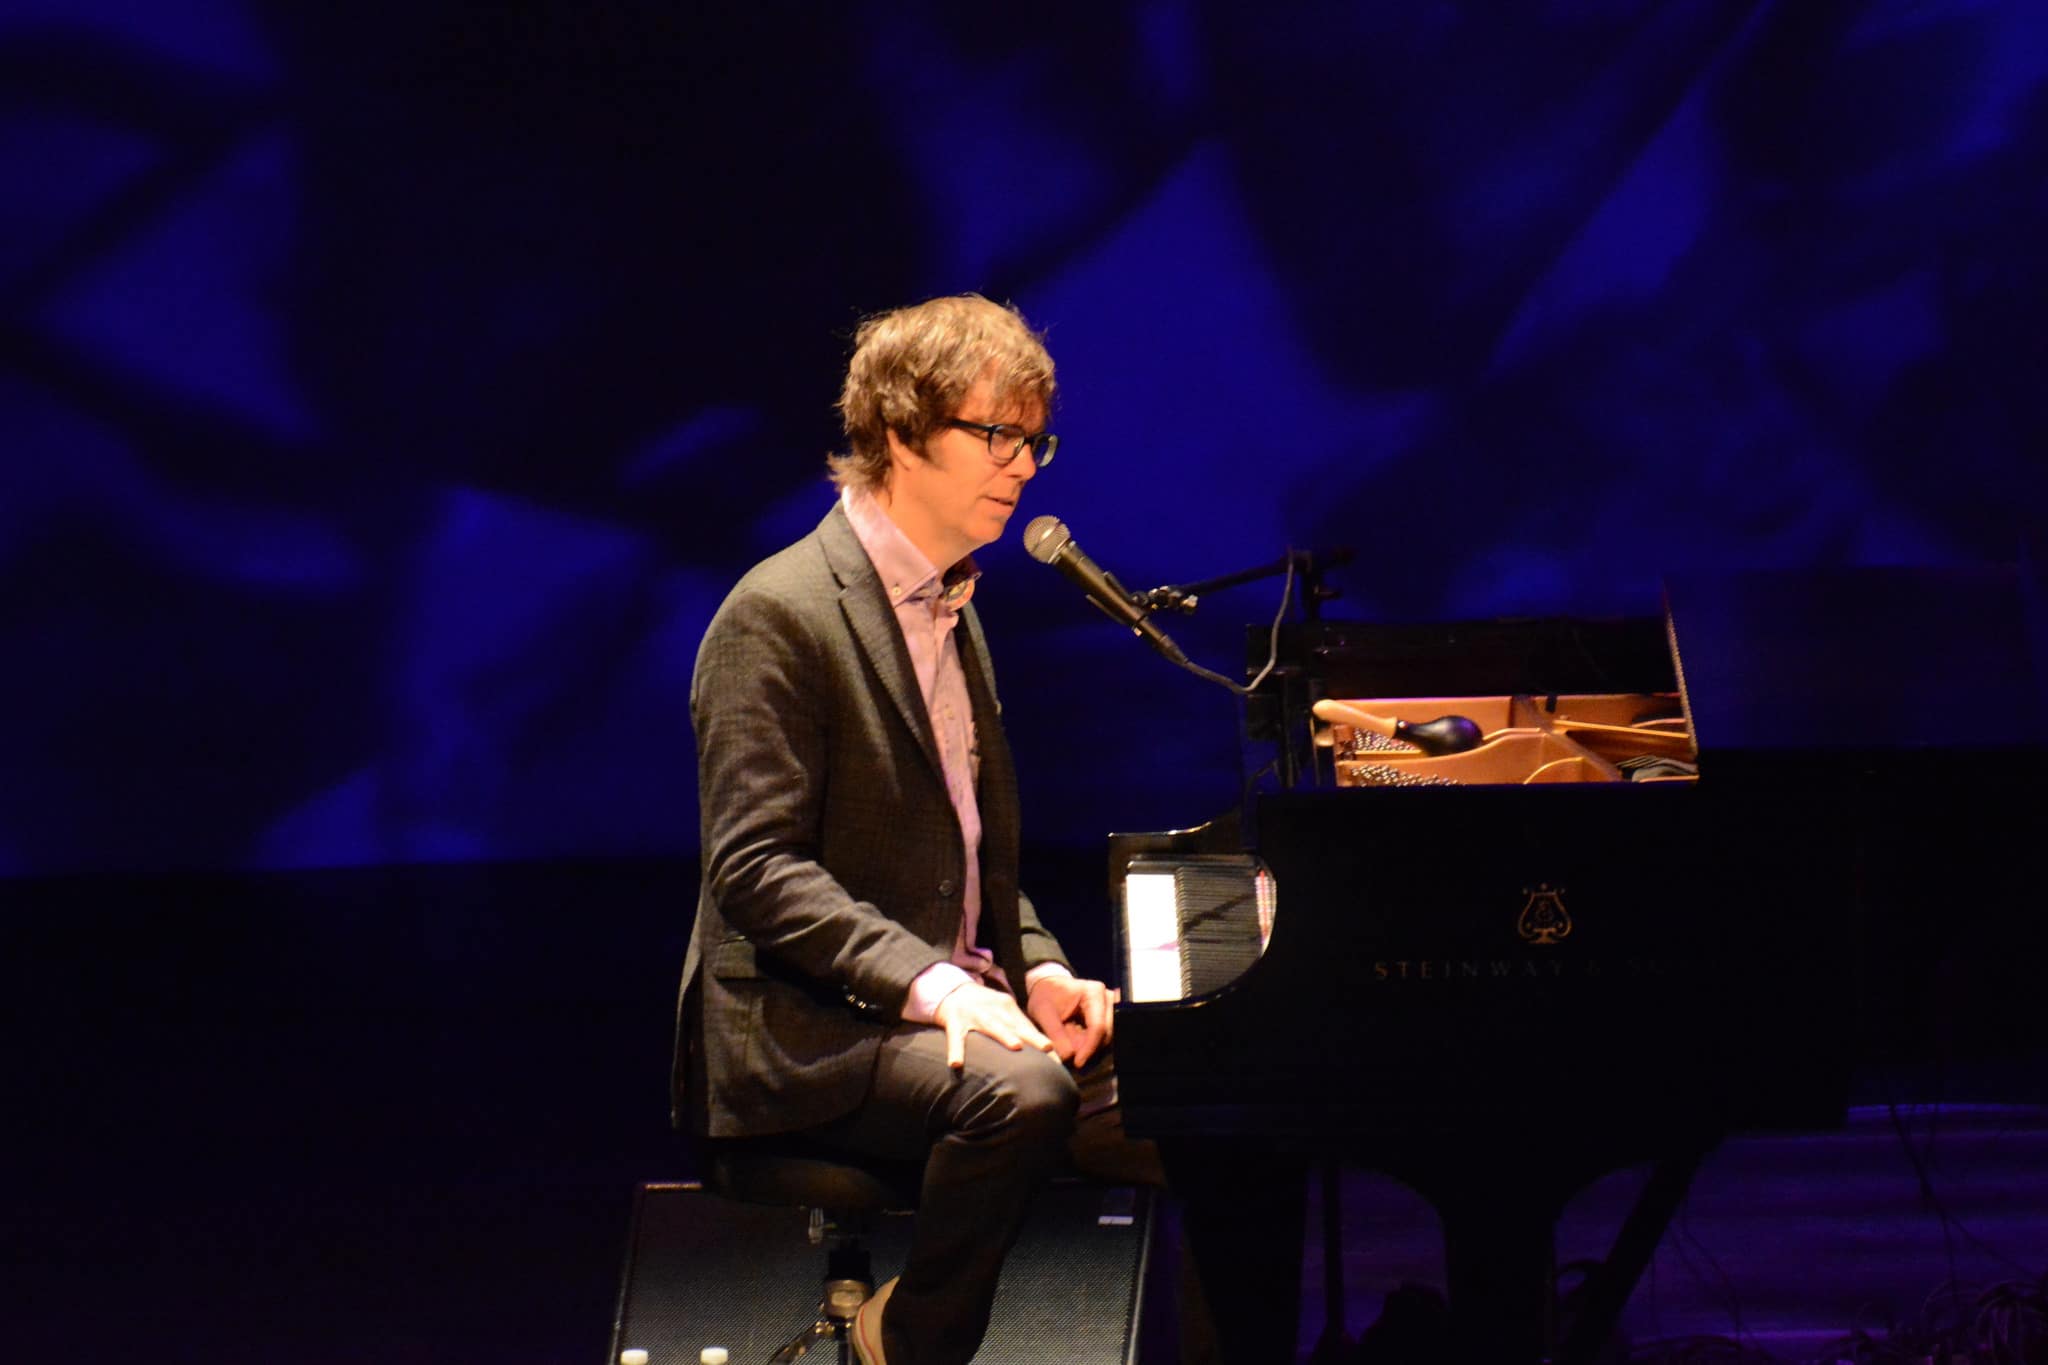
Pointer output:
x,y
948,887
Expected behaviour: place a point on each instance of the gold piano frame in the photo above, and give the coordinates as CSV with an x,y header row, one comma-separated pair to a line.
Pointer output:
x,y
1569,738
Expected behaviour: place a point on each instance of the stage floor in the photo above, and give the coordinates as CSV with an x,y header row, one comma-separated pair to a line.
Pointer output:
x,y
1786,1242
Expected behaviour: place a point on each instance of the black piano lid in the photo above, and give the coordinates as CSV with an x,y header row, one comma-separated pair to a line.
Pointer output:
x,y
1883,662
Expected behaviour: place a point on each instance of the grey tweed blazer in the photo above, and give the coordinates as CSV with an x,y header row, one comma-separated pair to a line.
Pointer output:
x,y
833,867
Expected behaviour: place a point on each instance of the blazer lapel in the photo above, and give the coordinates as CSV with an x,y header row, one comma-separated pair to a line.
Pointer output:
x,y
865,604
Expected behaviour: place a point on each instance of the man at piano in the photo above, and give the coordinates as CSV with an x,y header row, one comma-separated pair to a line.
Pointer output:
x,y
864,969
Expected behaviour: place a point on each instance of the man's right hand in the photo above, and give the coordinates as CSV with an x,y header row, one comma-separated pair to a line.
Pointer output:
x,y
975,1008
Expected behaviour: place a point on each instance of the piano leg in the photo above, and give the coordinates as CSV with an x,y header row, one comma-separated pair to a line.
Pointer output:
x,y
1500,1256
1500,1267
1333,1345
1243,1217
1608,1290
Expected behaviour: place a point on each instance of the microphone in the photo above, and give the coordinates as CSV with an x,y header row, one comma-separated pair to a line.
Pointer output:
x,y
1048,541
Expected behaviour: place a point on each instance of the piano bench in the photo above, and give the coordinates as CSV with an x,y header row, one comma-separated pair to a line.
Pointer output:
x,y
844,1195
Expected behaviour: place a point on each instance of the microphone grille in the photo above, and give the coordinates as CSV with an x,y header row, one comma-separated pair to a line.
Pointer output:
x,y
1045,537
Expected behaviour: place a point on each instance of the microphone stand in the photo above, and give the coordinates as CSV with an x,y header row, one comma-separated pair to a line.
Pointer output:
x,y
1308,565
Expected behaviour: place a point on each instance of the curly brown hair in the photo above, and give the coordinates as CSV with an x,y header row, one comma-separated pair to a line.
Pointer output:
x,y
912,367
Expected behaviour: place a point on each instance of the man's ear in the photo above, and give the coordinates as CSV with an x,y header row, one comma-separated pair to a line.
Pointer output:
x,y
901,453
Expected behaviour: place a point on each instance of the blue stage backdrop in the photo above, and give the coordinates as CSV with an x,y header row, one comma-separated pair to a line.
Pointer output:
x,y
390,391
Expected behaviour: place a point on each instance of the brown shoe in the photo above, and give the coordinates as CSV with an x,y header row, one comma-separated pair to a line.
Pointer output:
x,y
867,1326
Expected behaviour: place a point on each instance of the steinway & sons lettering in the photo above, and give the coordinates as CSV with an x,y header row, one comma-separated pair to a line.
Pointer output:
x,y
1505,969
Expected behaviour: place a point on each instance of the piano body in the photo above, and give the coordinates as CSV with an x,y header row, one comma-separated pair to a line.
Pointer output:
x,y
1636,918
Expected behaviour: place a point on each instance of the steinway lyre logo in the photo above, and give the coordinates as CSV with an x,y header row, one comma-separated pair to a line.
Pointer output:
x,y
1544,920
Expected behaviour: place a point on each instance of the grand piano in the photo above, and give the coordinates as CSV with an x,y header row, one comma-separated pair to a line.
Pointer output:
x,y
1653,907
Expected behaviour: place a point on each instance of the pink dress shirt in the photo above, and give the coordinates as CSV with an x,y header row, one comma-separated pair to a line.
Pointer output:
x,y
927,606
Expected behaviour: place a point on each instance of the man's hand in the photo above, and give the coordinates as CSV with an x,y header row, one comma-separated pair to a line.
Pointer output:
x,y
1074,1013
974,1008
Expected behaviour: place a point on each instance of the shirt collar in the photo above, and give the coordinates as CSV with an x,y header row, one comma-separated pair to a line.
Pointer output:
x,y
906,574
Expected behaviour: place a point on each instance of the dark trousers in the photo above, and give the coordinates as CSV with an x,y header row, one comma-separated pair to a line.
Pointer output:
x,y
995,1130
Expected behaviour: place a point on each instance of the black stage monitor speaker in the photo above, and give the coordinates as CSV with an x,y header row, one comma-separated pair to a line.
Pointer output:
x,y
703,1271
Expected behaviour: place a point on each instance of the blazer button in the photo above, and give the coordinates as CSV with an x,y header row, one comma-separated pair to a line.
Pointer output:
x,y
948,887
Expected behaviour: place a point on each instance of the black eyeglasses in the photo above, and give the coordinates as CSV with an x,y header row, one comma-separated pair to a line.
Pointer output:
x,y
1005,441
